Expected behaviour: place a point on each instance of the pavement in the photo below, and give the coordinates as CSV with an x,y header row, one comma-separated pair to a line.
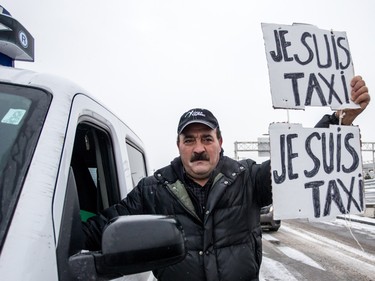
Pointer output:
x,y
359,219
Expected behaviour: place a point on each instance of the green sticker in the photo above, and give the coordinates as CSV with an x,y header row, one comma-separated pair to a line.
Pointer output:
x,y
13,116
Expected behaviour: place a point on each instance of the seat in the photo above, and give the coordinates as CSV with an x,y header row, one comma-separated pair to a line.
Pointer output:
x,y
86,187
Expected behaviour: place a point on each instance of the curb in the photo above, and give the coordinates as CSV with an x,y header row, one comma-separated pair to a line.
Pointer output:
x,y
364,220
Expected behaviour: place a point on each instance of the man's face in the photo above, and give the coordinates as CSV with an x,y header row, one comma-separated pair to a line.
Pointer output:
x,y
199,149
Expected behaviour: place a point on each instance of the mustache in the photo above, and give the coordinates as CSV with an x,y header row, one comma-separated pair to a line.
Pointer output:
x,y
199,157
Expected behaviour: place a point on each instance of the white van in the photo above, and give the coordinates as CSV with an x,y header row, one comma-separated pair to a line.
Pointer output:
x,y
63,158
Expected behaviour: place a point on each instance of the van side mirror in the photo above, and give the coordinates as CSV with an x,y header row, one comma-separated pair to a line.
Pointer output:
x,y
133,244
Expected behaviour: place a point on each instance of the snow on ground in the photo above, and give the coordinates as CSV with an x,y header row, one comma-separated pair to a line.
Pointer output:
x,y
275,271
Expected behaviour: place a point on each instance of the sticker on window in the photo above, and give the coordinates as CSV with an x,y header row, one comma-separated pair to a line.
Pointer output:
x,y
13,116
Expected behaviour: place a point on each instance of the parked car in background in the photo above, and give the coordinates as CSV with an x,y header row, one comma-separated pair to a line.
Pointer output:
x,y
266,219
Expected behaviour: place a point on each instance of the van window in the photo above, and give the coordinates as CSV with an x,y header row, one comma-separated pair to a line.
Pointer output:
x,y
94,169
137,163
91,187
22,114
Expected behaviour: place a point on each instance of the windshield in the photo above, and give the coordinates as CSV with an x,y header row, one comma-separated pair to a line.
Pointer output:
x,y
22,114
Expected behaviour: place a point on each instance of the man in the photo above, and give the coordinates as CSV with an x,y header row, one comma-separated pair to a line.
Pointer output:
x,y
216,199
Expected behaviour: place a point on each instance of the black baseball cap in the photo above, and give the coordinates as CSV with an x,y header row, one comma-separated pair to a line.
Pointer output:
x,y
197,115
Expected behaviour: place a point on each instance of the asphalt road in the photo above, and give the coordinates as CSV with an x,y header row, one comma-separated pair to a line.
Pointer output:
x,y
302,250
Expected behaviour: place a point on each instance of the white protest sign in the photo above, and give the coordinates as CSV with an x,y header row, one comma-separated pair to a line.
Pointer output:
x,y
316,172
308,66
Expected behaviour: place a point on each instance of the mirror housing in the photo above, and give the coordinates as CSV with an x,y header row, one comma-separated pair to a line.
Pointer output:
x,y
132,244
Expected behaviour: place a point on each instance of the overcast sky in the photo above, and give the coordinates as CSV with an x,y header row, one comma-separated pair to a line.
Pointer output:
x,y
150,61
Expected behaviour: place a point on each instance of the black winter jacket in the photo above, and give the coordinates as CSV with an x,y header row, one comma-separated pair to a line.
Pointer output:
x,y
226,244
327,120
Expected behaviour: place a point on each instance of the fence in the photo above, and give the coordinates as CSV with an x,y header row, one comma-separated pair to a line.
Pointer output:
x,y
370,192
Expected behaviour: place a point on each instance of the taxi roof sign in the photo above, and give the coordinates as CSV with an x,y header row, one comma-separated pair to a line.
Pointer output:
x,y
15,41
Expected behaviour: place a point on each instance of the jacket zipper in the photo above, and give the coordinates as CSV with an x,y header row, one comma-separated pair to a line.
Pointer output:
x,y
183,205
